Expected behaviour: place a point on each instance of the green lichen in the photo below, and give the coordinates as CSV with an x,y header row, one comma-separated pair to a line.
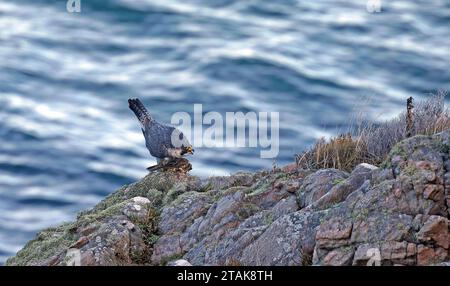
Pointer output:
x,y
152,187
149,230
360,214
410,170
173,257
260,188
444,146
193,195
155,197
247,210
53,241
386,164
397,150
48,243
208,187
240,179
152,239
268,219
216,196
173,194
338,182
265,183
91,217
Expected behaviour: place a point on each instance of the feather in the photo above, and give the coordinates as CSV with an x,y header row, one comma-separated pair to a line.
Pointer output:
x,y
140,111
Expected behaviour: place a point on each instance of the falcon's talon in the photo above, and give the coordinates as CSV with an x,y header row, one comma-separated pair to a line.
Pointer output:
x,y
175,164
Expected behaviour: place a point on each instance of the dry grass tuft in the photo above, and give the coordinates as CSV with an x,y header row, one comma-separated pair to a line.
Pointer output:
x,y
341,152
368,143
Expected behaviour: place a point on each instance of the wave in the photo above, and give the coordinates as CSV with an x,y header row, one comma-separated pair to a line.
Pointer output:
x,y
68,138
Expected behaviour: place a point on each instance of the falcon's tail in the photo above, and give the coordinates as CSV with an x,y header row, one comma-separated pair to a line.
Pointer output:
x,y
139,110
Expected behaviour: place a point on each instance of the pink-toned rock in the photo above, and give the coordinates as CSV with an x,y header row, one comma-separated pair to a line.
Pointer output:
x,y
334,232
366,252
339,257
293,187
167,246
434,192
318,184
435,230
425,165
80,242
393,250
395,215
289,168
411,250
278,185
427,255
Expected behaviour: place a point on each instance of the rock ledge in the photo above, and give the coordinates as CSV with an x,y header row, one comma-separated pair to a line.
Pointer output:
x,y
396,214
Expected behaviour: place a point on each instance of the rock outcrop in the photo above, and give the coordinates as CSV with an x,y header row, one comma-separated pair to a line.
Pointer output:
x,y
394,214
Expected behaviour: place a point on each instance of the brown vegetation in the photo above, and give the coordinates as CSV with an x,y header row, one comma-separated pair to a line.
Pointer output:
x,y
371,143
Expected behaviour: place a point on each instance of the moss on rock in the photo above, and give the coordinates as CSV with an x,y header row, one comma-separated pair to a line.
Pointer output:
x,y
47,243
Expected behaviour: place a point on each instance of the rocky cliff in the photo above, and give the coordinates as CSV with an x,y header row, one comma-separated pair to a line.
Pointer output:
x,y
394,214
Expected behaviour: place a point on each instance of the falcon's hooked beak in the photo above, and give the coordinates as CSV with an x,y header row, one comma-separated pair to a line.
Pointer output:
x,y
187,150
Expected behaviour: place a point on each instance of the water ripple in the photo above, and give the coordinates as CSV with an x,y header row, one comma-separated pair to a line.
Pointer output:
x,y
68,138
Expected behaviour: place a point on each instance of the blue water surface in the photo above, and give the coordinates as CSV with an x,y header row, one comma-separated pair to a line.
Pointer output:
x,y
67,138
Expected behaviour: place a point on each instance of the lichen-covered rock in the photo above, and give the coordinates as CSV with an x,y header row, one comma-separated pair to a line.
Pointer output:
x,y
343,189
400,220
227,249
179,262
222,217
289,240
174,219
435,231
116,242
396,214
318,184
180,213
225,182
110,237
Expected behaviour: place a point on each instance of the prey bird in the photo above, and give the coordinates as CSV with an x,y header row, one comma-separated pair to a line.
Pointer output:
x,y
166,143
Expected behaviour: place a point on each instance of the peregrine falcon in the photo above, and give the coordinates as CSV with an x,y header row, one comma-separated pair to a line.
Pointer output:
x,y
158,136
